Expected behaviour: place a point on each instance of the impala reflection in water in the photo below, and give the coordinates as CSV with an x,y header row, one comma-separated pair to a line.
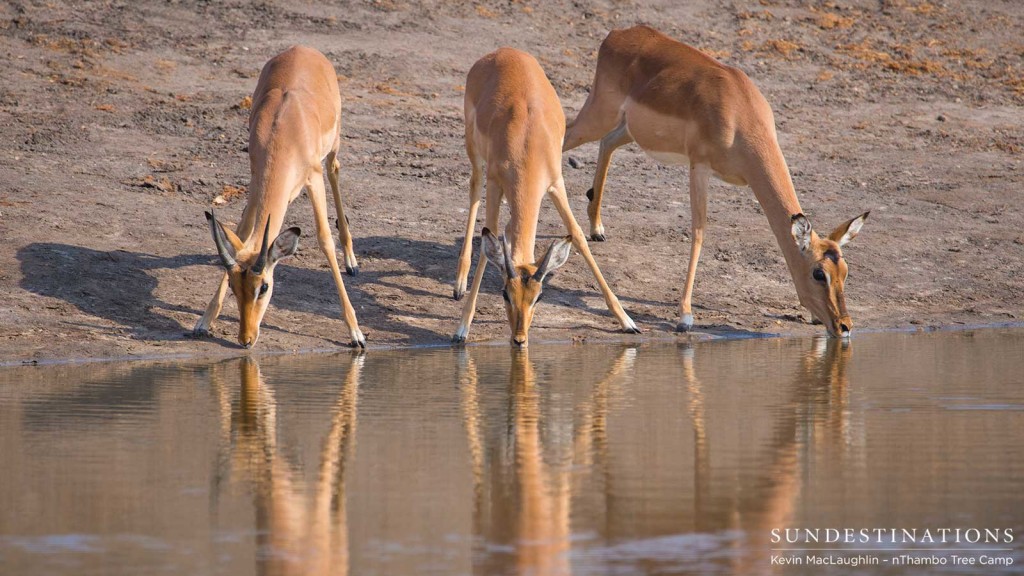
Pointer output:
x,y
299,530
658,459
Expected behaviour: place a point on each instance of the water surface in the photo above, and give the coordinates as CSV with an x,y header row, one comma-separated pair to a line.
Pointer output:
x,y
660,459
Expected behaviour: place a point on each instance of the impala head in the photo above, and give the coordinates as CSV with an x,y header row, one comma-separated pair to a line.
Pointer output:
x,y
822,279
251,273
524,285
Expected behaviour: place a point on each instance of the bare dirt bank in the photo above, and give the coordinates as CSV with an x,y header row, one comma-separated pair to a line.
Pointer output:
x,y
121,123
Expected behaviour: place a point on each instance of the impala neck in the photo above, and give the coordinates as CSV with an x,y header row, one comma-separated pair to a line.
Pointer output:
x,y
524,211
274,183
773,188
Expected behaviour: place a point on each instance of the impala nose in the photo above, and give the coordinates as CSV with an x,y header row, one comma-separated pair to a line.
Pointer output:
x,y
844,330
519,341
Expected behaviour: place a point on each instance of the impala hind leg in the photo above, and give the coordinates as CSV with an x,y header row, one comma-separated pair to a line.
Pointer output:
x,y
344,236
469,308
476,183
318,198
700,176
613,140
579,241
599,114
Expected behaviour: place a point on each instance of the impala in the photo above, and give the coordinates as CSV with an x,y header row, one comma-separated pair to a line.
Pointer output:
x,y
684,107
294,126
514,131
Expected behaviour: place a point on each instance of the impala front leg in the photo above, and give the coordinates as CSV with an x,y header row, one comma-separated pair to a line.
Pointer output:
x,y
469,308
462,274
700,175
318,198
557,194
612,141
212,310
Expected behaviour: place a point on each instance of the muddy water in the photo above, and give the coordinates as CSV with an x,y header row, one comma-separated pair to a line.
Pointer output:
x,y
657,459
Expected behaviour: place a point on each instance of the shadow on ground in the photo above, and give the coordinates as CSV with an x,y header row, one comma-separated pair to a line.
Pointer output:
x,y
114,285
118,286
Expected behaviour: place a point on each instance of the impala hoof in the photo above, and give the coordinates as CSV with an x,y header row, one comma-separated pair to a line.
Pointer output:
x,y
458,339
352,270
199,333
358,340
686,324
458,293
597,237
630,327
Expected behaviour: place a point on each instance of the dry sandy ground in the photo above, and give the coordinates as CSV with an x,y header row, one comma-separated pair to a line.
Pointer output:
x,y
122,121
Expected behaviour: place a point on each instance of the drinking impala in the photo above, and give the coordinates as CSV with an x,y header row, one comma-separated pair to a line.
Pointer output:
x,y
514,131
683,107
294,125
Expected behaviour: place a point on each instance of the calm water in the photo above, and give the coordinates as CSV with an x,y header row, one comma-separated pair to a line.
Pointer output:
x,y
657,459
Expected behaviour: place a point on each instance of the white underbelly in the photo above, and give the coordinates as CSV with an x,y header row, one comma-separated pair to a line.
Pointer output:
x,y
677,159
670,158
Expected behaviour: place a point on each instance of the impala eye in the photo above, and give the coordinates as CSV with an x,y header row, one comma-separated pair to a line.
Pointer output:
x,y
504,294
263,290
818,274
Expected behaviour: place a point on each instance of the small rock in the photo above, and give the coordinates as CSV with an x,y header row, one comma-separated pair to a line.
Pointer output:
x,y
941,117
575,163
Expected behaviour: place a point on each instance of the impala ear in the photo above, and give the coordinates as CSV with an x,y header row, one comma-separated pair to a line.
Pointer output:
x,y
494,250
229,234
848,230
227,242
554,258
233,238
802,231
286,244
